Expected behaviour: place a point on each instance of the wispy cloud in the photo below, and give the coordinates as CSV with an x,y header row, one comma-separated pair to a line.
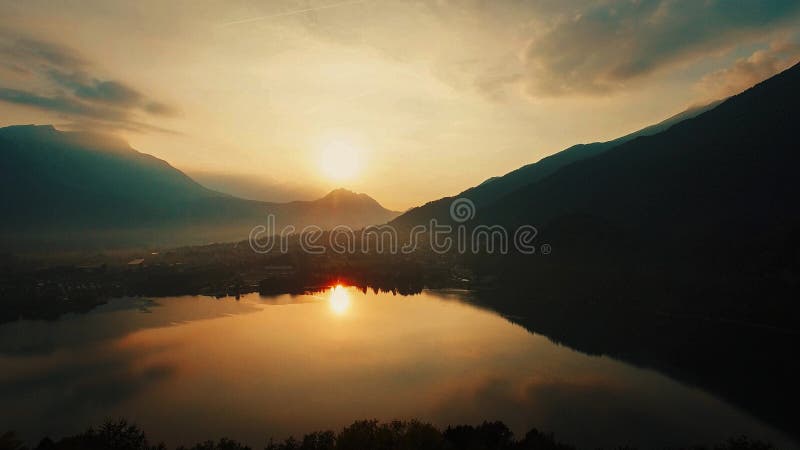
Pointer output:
x,y
596,48
27,51
291,13
59,104
745,72
109,92
59,80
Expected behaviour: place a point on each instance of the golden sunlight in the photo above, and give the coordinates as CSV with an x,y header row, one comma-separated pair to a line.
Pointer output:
x,y
339,299
340,160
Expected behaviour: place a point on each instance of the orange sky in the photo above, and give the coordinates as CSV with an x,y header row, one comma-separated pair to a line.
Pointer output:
x,y
404,100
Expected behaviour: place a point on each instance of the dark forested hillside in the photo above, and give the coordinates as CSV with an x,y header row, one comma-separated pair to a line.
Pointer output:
x,y
679,251
496,188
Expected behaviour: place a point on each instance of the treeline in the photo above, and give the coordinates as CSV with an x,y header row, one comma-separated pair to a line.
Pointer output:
x,y
48,289
361,435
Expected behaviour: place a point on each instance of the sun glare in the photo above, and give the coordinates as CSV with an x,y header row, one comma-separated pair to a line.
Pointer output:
x,y
339,299
340,160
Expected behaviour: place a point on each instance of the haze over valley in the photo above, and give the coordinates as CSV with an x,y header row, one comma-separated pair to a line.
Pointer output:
x,y
399,225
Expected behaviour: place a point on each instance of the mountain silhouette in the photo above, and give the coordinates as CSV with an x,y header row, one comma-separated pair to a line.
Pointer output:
x,y
338,207
679,251
91,188
706,209
497,187
728,169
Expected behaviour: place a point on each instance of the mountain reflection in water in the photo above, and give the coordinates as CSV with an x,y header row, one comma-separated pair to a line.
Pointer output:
x,y
193,368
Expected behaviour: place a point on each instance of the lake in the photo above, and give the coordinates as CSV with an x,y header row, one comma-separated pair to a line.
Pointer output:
x,y
188,369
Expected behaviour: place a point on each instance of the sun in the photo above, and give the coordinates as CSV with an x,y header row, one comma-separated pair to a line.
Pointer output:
x,y
340,160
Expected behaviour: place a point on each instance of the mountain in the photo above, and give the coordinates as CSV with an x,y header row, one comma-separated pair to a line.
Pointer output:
x,y
735,164
701,217
92,189
495,188
679,251
338,207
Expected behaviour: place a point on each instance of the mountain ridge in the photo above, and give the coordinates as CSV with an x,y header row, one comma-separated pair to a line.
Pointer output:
x,y
57,183
496,187
743,115
671,238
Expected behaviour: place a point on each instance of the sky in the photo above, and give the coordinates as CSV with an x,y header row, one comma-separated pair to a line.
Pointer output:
x,y
405,100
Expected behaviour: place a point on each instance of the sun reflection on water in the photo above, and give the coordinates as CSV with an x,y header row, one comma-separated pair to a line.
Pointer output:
x,y
339,299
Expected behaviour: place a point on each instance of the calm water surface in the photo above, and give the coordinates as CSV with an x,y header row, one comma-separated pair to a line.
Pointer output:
x,y
193,368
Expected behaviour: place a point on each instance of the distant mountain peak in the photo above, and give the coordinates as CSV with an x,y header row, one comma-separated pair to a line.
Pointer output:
x,y
341,191
68,187
342,196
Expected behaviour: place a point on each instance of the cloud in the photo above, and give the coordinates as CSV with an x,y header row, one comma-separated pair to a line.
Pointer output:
x,y
291,13
92,89
595,48
746,72
59,104
108,92
32,51
159,109
67,392
59,80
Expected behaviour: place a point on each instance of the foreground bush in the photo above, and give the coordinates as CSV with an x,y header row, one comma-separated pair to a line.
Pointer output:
x,y
361,435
